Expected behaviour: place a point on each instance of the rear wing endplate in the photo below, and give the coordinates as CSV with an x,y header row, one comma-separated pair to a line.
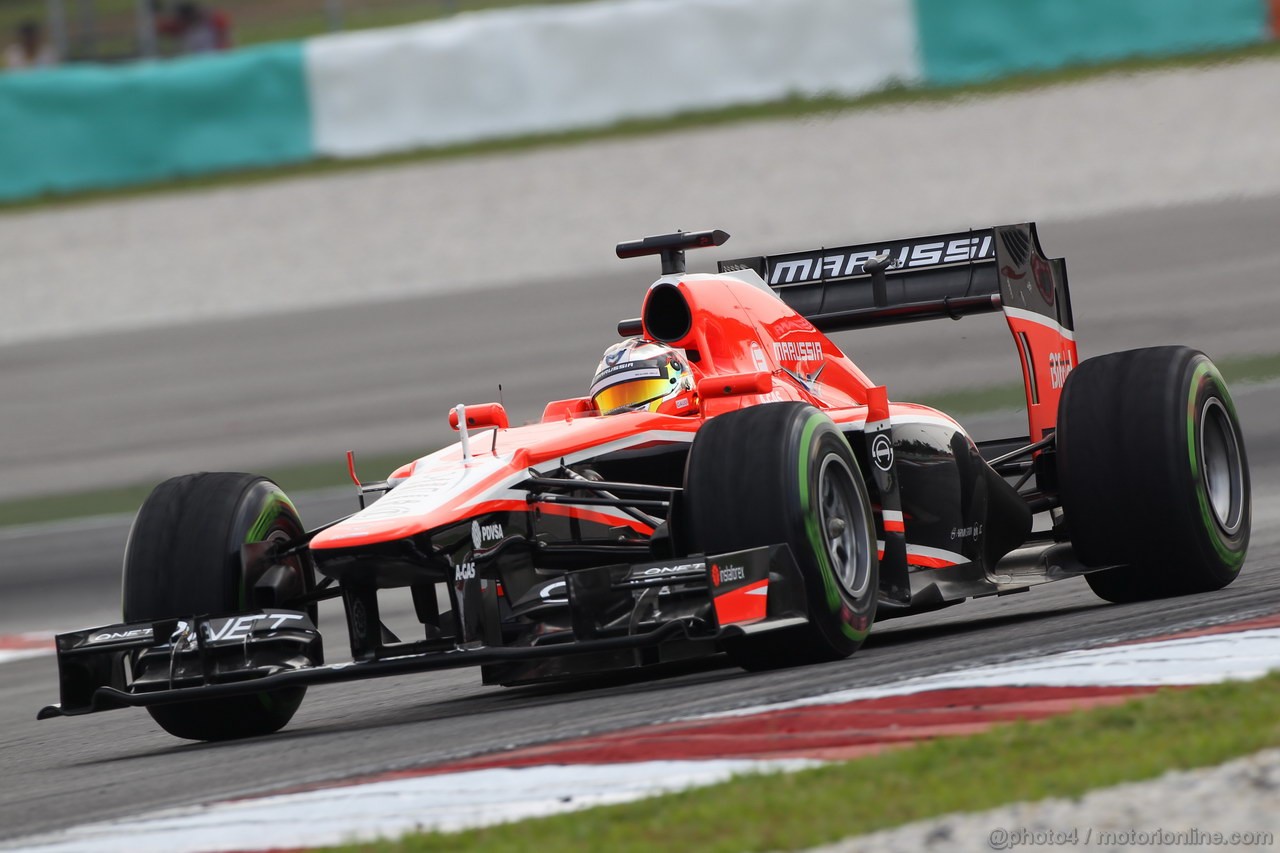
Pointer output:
x,y
1002,268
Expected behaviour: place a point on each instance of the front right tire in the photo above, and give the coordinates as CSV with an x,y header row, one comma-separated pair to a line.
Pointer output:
x,y
783,473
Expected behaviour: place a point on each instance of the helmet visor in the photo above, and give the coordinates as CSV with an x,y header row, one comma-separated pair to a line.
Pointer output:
x,y
631,393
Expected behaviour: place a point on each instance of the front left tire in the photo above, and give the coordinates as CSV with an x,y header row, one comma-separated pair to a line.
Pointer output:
x,y
183,559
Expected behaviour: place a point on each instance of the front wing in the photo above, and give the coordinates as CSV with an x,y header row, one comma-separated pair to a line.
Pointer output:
x,y
613,609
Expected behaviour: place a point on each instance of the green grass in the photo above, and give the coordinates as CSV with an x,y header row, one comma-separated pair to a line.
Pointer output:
x,y
788,109
1063,757
1237,370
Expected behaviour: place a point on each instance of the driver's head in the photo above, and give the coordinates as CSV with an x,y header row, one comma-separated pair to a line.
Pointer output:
x,y
637,374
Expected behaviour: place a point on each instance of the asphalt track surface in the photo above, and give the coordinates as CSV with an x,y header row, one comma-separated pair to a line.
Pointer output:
x,y
1201,275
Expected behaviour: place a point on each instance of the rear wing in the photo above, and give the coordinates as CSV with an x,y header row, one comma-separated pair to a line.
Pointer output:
x,y
950,275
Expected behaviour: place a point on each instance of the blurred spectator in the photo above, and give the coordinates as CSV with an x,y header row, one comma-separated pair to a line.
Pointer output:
x,y
196,29
30,50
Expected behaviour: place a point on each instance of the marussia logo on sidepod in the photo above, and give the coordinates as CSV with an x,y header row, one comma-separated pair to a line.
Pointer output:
x,y
798,350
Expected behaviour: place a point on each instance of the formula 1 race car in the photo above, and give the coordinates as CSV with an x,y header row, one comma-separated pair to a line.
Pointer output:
x,y
733,483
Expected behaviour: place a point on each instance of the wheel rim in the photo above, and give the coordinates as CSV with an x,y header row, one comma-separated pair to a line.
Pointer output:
x,y
283,530
844,521
1222,468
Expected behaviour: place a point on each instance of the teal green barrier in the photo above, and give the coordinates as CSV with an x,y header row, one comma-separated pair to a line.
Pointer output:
x,y
976,40
85,127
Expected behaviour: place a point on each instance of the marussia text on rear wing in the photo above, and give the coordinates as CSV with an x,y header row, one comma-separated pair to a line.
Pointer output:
x,y
1002,268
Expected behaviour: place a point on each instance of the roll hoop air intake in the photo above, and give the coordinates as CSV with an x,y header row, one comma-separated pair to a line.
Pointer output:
x,y
667,317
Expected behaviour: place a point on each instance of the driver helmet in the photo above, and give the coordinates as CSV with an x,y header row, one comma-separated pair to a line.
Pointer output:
x,y
637,375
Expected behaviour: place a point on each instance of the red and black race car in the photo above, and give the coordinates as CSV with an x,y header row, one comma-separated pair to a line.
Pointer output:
x,y
733,483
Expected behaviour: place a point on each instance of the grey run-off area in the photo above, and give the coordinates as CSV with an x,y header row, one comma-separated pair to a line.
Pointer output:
x,y
291,321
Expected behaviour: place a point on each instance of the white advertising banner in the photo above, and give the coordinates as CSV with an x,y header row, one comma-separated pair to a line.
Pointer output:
x,y
549,68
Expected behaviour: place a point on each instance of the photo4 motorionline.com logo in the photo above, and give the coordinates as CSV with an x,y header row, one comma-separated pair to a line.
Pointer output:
x,y
1003,838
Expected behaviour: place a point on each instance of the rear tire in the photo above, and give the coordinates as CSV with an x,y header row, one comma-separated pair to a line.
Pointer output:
x,y
1153,473
782,473
183,559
